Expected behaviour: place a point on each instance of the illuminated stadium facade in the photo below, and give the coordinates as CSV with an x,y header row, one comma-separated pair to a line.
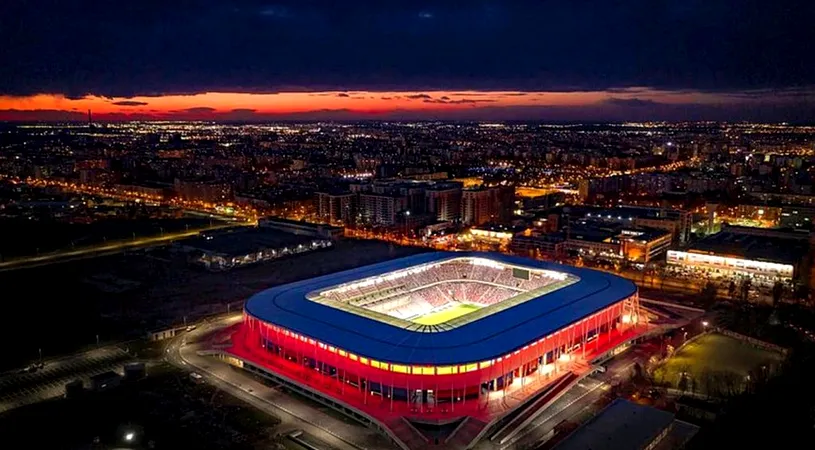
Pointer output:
x,y
436,336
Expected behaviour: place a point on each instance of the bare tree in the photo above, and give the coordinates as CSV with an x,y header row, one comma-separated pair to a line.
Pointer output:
x,y
684,378
744,293
778,292
709,294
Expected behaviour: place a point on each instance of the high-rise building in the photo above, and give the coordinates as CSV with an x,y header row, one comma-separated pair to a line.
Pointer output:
x,y
487,204
476,205
203,190
444,202
504,203
381,209
336,208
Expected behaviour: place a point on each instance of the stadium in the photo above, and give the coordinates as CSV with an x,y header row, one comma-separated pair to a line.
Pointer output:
x,y
436,336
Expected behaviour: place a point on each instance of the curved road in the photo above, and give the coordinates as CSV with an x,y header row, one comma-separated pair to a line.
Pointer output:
x,y
182,351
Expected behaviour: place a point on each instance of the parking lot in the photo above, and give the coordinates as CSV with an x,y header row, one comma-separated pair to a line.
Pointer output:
x,y
19,388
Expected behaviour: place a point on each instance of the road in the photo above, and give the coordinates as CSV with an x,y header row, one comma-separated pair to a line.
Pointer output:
x,y
578,403
101,250
19,389
341,434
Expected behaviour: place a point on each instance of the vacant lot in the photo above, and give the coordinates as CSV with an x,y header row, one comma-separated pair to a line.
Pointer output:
x,y
62,307
166,410
716,364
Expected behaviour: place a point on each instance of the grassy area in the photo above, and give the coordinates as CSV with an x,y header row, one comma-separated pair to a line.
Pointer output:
x,y
714,363
448,314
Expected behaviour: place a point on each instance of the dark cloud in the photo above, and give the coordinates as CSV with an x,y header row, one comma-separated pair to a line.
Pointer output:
x,y
419,96
343,94
630,102
199,109
790,93
154,47
130,103
460,101
244,110
46,115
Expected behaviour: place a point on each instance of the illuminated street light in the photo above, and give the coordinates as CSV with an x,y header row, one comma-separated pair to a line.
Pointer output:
x,y
705,323
129,436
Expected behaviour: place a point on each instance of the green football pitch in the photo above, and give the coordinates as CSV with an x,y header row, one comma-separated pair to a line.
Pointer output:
x,y
451,313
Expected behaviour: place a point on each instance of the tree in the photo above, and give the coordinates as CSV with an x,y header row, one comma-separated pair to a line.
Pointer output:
x,y
745,289
684,377
682,385
708,294
661,274
638,371
802,293
778,291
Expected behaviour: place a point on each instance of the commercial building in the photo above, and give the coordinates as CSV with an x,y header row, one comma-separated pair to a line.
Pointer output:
x,y
545,201
538,244
222,251
598,240
763,255
624,425
301,228
797,217
675,221
436,336
495,233
643,245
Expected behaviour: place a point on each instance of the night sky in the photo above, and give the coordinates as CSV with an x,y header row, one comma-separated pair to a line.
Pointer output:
x,y
553,60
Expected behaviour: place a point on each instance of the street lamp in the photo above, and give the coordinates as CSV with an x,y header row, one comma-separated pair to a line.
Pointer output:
x,y
129,436
407,217
705,323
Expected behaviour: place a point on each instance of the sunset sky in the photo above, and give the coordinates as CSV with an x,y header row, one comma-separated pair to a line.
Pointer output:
x,y
529,60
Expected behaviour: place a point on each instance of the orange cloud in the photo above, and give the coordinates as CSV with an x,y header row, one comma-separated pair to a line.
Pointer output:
x,y
220,103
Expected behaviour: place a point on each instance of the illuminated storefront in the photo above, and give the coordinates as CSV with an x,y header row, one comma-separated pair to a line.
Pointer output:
x,y
730,265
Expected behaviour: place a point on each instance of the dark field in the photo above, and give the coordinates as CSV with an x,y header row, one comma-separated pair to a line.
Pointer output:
x,y
62,307
32,238
165,410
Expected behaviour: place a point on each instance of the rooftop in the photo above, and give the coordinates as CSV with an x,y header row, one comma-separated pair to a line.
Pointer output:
x,y
752,247
301,223
484,339
623,425
245,241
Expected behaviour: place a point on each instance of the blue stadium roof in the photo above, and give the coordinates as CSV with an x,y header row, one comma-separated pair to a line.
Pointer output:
x,y
484,339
